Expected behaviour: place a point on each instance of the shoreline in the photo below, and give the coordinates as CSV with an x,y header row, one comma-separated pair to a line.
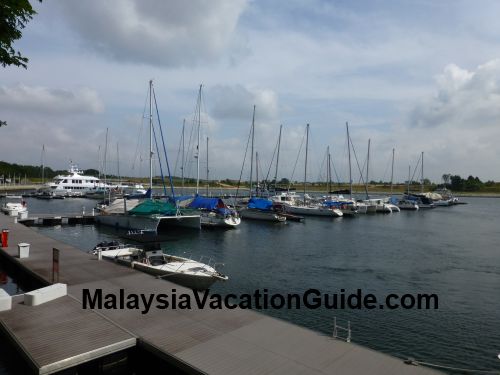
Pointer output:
x,y
313,189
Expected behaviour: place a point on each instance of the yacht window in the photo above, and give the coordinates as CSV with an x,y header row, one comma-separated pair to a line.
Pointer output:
x,y
64,181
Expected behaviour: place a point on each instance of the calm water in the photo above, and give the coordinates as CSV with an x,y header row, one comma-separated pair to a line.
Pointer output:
x,y
450,251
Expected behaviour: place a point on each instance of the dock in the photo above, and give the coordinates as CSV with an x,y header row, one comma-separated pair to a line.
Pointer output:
x,y
51,220
61,334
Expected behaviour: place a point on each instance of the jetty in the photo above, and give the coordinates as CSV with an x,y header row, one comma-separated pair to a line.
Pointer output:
x,y
61,334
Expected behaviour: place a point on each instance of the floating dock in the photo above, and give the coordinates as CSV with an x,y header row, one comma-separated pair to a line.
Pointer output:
x,y
60,334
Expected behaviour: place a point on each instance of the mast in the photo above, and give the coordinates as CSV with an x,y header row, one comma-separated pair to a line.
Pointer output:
x,y
277,160
251,154
105,158
305,165
183,153
257,173
198,146
118,162
151,134
43,166
329,170
409,171
392,170
207,167
349,153
367,168
422,174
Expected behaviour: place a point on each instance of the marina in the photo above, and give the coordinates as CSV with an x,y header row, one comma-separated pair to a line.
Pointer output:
x,y
249,187
341,264
197,341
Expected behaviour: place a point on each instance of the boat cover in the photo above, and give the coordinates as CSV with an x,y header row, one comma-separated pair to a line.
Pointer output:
x,y
153,207
260,203
207,203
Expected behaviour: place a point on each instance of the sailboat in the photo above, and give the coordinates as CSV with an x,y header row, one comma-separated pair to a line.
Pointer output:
x,y
423,200
307,208
148,214
258,208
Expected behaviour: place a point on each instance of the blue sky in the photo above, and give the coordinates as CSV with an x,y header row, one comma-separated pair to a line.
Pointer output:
x,y
413,75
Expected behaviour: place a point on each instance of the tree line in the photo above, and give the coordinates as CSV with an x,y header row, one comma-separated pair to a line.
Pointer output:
x,y
35,172
471,183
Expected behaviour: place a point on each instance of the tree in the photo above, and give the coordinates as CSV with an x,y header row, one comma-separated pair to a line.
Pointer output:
x,y
14,15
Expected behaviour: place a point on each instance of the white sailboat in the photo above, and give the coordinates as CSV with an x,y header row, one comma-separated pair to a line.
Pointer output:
x,y
310,209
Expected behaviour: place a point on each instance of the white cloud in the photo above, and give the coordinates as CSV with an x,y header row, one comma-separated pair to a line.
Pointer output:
x,y
49,100
168,33
463,99
236,102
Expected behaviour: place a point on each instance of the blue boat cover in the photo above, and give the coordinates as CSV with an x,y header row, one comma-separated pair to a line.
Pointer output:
x,y
260,203
207,203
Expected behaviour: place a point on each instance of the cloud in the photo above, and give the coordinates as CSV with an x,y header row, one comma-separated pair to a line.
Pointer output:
x,y
236,102
165,33
49,100
463,99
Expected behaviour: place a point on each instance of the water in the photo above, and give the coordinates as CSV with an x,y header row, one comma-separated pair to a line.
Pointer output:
x,y
449,251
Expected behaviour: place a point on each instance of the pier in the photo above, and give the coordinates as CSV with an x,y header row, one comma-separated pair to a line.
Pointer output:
x,y
60,334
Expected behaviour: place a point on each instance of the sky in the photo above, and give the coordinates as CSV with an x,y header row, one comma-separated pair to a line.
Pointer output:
x,y
416,76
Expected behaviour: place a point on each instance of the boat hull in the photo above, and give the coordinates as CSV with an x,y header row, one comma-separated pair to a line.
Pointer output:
x,y
209,220
261,215
313,211
149,223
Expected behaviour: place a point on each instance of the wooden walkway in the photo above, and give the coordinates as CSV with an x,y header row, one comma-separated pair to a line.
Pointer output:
x,y
198,341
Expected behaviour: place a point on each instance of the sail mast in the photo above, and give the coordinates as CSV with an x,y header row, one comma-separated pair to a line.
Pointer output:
x,y
257,173
207,168
329,170
409,171
183,155
367,168
251,154
305,164
198,146
392,171
422,182
151,134
277,160
349,153
118,162
43,165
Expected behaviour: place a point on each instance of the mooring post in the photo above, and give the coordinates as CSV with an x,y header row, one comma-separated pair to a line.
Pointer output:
x,y
335,327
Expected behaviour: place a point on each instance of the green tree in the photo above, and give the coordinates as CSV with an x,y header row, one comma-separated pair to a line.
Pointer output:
x,y
14,15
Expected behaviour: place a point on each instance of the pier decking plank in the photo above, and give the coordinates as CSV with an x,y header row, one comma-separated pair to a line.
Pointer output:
x,y
60,334
200,340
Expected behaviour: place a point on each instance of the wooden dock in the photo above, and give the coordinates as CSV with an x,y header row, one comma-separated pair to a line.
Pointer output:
x,y
51,220
197,341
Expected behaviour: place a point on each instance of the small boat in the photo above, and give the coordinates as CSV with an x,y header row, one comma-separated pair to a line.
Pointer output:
x,y
215,213
152,260
407,204
314,210
14,208
261,209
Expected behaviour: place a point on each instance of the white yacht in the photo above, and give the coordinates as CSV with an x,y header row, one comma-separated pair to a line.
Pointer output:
x,y
75,182
180,270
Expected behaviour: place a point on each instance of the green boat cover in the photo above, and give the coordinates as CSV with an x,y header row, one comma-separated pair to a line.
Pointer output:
x,y
152,207
155,207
